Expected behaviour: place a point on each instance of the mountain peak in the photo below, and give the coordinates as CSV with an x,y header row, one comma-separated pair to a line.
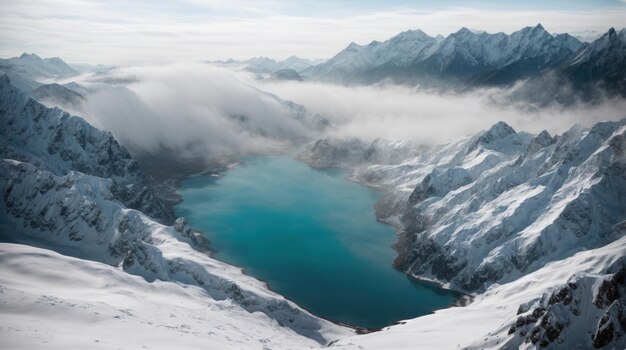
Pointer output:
x,y
27,55
499,130
539,27
463,31
411,34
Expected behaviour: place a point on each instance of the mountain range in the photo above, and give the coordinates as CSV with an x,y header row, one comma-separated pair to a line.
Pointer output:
x,y
467,59
266,65
532,224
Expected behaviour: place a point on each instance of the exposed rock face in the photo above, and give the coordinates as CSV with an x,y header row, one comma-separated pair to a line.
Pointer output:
x,y
591,305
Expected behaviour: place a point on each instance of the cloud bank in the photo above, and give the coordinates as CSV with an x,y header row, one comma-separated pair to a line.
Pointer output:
x,y
198,115
399,112
192,111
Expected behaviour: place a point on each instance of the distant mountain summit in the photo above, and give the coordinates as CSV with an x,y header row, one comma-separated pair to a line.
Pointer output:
x,y
266,65
468,59
26,70
601,62
34,67
356,62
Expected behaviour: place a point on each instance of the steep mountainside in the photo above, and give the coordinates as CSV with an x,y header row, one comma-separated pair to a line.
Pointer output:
x,y
52,140
496,206
490,214
603,62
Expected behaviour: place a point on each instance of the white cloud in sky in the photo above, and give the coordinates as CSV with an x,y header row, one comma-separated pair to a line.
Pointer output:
x,y
156,32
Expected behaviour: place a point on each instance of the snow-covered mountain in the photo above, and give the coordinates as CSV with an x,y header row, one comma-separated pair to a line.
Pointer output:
x,y
356,61
489,213
595,71
28,71
462,57
532,226
266,65
52,140
467,59
601,62
34,67
502,58
71,188
492,207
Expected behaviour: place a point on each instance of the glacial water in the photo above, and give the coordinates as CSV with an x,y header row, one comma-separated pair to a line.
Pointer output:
x,y
312,236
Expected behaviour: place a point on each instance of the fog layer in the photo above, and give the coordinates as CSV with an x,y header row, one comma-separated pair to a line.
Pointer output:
x,y
199,113
194,110
400,112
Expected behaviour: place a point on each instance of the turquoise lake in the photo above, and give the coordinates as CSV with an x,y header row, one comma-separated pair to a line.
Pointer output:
x,y
312,236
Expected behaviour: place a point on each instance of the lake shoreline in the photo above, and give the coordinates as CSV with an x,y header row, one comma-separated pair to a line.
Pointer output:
x,y
214,252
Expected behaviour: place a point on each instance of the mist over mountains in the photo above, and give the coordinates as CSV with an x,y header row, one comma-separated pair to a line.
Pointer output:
x,y
410,87
465,60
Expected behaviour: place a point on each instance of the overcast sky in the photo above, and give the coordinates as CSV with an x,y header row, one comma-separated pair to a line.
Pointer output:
x,y
125,32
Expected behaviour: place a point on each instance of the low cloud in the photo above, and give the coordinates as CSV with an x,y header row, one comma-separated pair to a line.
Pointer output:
x,y
200,113
399,112
192,110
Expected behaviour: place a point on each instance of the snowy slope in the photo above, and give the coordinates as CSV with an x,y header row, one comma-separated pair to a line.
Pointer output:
x,y
51,301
